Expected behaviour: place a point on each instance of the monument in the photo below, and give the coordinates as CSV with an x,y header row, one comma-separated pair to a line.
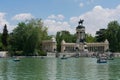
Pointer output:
x,y
80,32
81,45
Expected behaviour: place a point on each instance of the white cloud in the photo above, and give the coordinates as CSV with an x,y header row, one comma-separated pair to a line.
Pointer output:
x,y
3,21
81,5
52,16
54,26
56,17
61,17
23,16
74,20
55,23
97,18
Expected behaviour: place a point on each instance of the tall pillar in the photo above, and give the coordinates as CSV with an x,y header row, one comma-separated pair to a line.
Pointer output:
x,y
80,33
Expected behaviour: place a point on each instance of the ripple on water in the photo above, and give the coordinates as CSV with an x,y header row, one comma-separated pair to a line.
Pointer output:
x,y
57,69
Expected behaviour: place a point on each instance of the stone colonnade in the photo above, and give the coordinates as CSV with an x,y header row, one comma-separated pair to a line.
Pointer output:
x,y
92,47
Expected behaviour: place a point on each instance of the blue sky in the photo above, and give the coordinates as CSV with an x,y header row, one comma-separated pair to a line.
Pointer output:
x,y
60,15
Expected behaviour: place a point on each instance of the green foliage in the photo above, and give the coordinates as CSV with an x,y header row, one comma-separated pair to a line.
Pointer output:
x,y
90,38
28,36
0,42
113,36
5,37
101,35
42,53
64,35
112,33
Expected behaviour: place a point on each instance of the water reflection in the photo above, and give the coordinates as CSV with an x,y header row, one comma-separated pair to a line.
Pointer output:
x,y
114,69
57,69
102,71
3,69
51,69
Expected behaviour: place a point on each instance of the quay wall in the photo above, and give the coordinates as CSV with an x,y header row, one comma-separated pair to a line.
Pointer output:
x,y
68,54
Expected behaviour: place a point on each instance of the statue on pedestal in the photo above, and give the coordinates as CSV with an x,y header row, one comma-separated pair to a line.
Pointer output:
x,y
81,21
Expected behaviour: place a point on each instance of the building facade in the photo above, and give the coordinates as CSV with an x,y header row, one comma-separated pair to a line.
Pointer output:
x,y
81,45
49,45
91,47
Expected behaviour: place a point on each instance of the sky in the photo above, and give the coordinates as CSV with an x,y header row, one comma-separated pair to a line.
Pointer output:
x,y
60,15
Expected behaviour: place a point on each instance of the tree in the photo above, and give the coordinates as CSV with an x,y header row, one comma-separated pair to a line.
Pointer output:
x,y
113,35
64,35
5,37
90,38
100,35
28,36
0,41
118,36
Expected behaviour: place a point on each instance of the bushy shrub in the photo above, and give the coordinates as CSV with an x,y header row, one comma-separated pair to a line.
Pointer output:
x,y
42,53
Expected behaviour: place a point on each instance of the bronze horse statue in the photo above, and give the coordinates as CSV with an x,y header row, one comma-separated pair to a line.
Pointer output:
x,y
81,21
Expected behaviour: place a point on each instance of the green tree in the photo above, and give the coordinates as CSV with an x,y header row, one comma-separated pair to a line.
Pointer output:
x,y
58,39
0,41
118,36
64,35
90,38
28,36
113,35
100,35
5,37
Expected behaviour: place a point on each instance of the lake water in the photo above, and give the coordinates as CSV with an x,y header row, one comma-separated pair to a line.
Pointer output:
x,y
57,69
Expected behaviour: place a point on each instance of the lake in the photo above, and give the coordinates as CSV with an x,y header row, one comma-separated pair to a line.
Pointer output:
x,y
58,69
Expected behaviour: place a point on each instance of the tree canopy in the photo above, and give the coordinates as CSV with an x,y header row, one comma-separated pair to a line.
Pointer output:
x,y
100,35
90,38
5,37
28,36
64,35
113,35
